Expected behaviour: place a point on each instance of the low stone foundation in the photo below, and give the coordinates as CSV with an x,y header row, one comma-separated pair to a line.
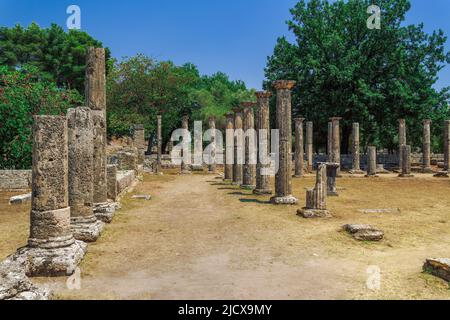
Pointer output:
x,y
124,180
15,285
15,179
50,262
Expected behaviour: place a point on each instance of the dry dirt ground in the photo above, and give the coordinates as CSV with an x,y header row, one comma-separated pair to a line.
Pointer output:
x,y
199,238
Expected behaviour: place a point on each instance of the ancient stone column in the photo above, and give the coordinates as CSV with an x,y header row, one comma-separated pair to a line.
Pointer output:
x,y
299,148
336,143
185,167
447,145
426,163
95,90
198,147
84,224
356,164
229,147
316,199
212,167
309,145
283,178
159,144
401,140
371,161
111,172
331,179
52,249
238,169
169,147
330,142
406,162
262,125
249,174
139,142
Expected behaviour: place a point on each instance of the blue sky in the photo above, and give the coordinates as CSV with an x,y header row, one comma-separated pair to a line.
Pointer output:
x,y
233,36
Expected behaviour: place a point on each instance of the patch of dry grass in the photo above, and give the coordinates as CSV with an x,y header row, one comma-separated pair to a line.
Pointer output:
x,y
14,224
169,245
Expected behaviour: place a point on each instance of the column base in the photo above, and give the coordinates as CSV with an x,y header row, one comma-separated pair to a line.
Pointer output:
x,y
87,230
42,262
406,175
371,176
427,170
332,194
105,211
442,174
288,200
356,172
16,286
262,192
313,213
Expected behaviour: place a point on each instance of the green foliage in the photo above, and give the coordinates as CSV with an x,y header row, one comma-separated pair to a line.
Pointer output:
x,y
139,88
24,93
373,77
59,56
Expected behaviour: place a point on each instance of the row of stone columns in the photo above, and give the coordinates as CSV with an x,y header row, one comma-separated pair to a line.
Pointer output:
x,y
237,145
244,173
69,180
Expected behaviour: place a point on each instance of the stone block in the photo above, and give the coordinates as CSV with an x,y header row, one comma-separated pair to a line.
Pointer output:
x,y
20,199
363,232
439,267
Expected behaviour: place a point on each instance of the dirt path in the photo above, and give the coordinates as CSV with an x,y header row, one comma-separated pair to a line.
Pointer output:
x,y
201,239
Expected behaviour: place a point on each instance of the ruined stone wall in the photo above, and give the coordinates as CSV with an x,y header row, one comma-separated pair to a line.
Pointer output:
x,y
15,179
124,180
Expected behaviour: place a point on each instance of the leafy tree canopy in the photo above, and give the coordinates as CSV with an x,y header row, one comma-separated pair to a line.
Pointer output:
x,y
24,93
139,88
370,76
59,56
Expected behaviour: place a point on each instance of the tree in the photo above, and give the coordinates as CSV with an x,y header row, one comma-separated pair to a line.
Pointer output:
x,y
24,93
59,56
370,76
139,88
